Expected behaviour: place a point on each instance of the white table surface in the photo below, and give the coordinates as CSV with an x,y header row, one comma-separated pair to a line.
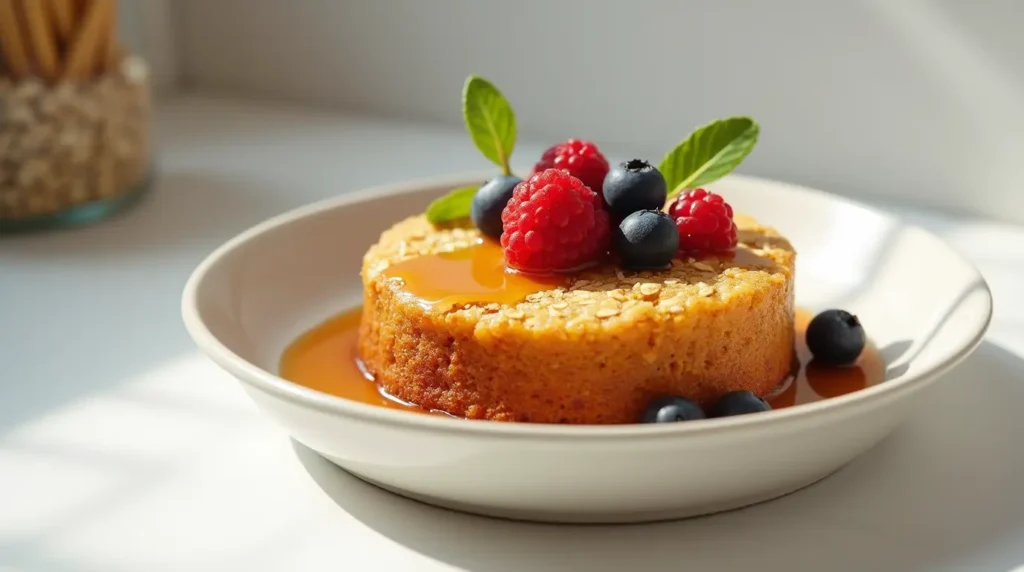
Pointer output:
x,y
121,448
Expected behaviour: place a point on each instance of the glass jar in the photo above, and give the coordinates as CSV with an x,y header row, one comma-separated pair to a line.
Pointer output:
x,y
74,151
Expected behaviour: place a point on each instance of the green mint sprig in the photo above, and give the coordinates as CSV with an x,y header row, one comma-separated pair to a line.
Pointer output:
x,y
453,206
490,121
709,153
492,126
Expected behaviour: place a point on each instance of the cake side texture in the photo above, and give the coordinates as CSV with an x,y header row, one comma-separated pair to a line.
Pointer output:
x,y
596,350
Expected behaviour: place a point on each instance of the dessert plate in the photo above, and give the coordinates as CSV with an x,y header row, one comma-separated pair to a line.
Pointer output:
x,y
923,306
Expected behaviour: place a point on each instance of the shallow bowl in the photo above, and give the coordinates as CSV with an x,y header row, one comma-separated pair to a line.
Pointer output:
x,y
923,305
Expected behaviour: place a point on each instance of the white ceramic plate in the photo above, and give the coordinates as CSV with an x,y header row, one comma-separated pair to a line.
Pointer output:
x,y
921,303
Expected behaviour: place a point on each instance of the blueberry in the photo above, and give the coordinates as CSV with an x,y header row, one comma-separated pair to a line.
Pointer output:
x,y
633,186
738,403
646,240
671,409
489,201
835,337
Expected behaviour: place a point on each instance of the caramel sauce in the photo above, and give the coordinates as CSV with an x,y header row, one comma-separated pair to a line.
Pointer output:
x,y
467,275
325,359
812,381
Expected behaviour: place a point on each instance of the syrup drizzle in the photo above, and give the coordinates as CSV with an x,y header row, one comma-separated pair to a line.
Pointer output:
x,y
475,274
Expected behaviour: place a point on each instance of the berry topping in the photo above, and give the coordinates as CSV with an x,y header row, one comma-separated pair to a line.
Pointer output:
x,y
670,410
582,159
633,186
738,403
835,337
553,223
489,201
705,222
646,240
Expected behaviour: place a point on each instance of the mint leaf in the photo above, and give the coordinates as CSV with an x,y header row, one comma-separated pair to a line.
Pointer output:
x,y
453,206
709,153
489,120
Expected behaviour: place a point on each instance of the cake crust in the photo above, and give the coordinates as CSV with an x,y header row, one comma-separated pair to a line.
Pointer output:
x,y
595,351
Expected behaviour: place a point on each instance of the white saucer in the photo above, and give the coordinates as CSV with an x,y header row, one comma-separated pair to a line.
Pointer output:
x,y
920,302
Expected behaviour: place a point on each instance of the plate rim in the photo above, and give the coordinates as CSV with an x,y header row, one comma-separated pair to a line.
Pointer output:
x,y
261,379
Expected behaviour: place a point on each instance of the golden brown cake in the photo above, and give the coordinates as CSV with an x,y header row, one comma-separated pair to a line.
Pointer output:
x,y
595,349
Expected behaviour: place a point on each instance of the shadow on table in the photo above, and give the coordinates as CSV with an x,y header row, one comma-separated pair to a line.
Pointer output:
x,y
137,263
943,487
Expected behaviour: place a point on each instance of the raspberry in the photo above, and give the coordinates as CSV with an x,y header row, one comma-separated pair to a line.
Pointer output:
x,y
582,159
553,223
705,222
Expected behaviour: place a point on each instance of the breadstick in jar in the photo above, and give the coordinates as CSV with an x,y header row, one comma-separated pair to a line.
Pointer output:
x,y
40,38
87,45
12,42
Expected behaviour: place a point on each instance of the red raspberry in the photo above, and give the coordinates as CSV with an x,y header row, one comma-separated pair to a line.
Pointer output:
x,y
705,222
553,222
582,159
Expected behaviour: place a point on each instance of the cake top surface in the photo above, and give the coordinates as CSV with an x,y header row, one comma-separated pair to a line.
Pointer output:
x,y
762,260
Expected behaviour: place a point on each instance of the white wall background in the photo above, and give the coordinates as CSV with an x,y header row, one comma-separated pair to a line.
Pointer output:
x,y
910,100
